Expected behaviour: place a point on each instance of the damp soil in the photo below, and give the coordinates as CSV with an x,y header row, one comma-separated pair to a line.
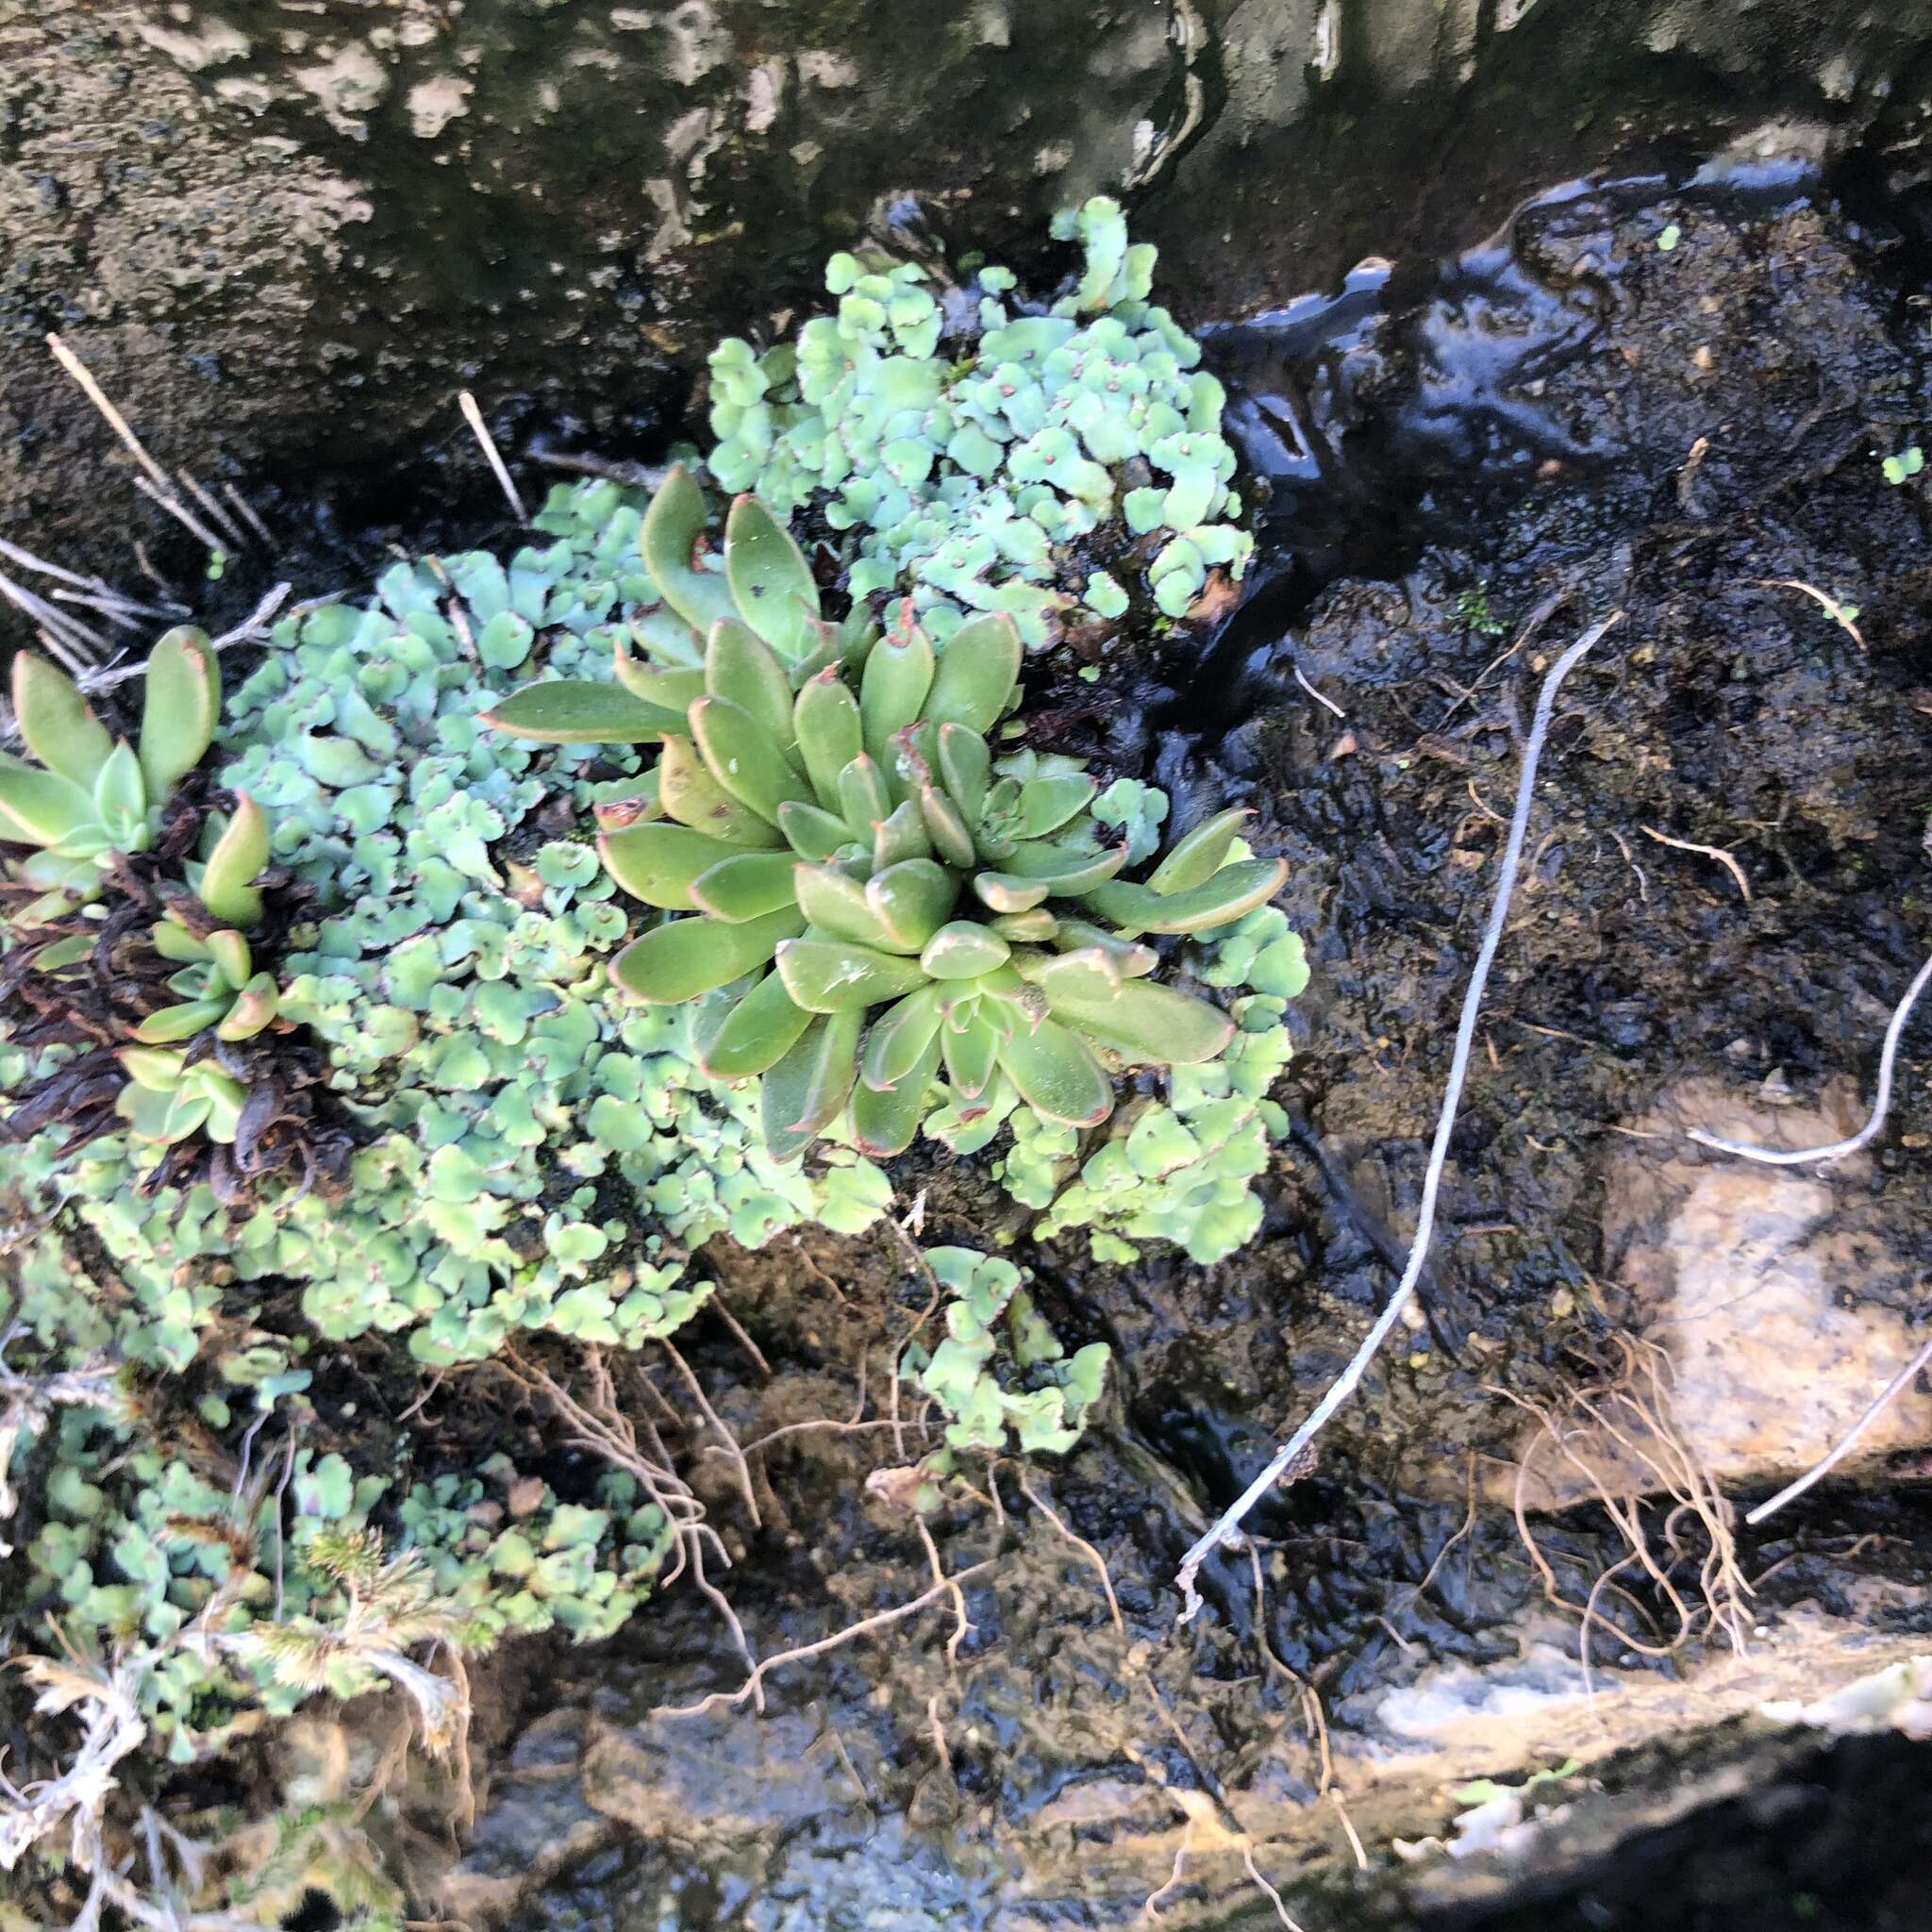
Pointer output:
x,y
1665,394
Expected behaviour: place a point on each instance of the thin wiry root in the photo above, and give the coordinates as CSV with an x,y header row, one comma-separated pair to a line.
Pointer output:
x,y
1087,1549
754,1685
1633,1409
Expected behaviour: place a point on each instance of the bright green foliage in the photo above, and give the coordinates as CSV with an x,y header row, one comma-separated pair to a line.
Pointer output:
x,y
739,623
1181,1171
217,984
533,1153
89,795
968,458
1000,1368
844,849
134,1552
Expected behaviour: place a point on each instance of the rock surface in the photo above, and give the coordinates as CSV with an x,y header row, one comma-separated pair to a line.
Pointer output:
x,y
283,237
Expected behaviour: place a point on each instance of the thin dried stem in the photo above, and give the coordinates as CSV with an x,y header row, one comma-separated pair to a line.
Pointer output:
x,y
1847,1443
1080,1543
1345,1385
115,421
167,500
1838,1150
1717,852
237,537
248,515
474,417
754,1685
734,1453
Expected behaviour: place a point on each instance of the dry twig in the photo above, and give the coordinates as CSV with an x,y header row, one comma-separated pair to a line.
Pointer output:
x,y
474,417
1716,852
1345,1385
1838,1150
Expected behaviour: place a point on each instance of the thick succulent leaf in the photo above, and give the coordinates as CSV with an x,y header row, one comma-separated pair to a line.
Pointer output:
x,y
758,1032
973,1054
149,1113
893,685
975,673
770,582
741,666
899,1037
863,797
57,723
964,950
884,1119
181,707
687,792
175,942
39,808
814,835
746,886
668,540
665,638
121,797
899,836
1034,927
856,635
202,982
1232,892
657,864
1141,1019
825,720
227,878
572,711
670,687
946,829
836,906
689,956
1089,973
252,1009
823,655
1047,803
965,768
745,758
1067,872
181,1023
803,1092
835,977
910,755
620,814
1002,892
222,1100
911,900
1056,1074
158,1070
1131,960
231,957
1197,857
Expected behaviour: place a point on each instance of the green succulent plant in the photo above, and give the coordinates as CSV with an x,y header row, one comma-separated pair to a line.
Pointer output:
x,y
964,451
748,607
167,1097
218,984
847,850
1000,1367
91,796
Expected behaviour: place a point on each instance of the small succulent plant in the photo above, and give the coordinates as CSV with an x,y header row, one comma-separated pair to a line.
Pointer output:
x,y
962,450
757,607
91,798
1000,1367
846,850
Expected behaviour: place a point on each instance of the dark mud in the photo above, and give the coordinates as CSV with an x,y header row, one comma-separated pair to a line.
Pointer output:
x,y
1570,418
